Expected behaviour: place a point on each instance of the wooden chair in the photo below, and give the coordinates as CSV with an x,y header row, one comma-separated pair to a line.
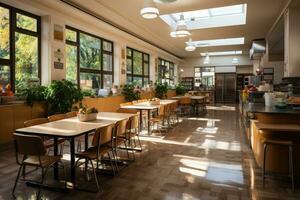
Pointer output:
x,y
101,146
48,142
120,138
159,118
71,114
34,154
57,117
185,105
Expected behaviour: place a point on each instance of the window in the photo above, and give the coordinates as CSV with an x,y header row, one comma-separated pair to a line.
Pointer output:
x,y
166,71
137,67
89,60
20,47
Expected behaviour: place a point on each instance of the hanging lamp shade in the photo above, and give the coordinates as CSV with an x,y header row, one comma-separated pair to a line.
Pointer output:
x,y
149,11
190,46
181,29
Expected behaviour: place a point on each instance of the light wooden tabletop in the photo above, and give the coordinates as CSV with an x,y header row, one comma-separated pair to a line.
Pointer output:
x,y
191,97
147,106
72,127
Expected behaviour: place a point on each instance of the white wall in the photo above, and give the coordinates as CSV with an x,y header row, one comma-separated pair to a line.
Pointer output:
x,y
56,12
188,64
277,65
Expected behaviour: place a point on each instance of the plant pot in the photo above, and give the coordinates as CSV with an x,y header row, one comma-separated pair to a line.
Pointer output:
x,y
87,117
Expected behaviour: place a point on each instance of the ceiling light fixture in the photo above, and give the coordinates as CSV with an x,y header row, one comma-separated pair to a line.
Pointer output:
x,y
150,11
206,60
190,46
181,29
164,1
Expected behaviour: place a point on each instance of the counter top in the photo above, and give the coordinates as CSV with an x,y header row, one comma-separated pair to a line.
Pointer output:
x,y
261,108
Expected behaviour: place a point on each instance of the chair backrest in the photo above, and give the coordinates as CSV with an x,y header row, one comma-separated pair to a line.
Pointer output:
x,y
29,145
133,122
120,127
71,114
185,100
161,110
103,135
57,117
36,121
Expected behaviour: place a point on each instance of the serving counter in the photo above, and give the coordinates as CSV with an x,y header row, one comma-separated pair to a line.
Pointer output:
x,y
277,159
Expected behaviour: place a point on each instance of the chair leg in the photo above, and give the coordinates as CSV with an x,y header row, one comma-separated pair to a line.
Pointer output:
x,y
116,158
127,151
291,164
18,176
111,163
264,164
132,147
95,175
44,175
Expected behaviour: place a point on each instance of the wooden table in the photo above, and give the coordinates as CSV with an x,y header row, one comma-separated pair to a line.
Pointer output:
x,y
195,99
146,106
71,128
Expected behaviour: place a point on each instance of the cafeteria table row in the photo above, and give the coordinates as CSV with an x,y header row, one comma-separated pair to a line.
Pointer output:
x,y
69,129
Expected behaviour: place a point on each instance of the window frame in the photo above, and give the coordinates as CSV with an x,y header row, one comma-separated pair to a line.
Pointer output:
x,y
100,72
13,29
132,75
161,70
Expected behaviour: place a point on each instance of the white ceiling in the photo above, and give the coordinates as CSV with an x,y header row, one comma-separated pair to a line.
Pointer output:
x,y
261,14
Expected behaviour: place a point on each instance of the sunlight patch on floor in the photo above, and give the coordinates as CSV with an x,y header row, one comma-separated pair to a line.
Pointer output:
x,y
223,108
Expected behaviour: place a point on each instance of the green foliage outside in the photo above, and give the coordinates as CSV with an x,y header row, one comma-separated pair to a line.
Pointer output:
x,y
180,89
161,90
31,93
130,93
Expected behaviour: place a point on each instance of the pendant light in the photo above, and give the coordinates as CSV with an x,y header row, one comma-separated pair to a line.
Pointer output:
x,y
190,45
149,11
181,29
206,60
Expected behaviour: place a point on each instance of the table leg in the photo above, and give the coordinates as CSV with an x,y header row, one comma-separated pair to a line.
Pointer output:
x,y
86,145
141,121
55,146
149,112
72,166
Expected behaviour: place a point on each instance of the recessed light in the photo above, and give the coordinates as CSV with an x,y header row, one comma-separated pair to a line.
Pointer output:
x,y
221,53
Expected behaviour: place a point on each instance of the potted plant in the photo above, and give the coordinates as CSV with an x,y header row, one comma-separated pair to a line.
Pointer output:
x,y
31,93
161,90
61,96
180,89
87,114
131,92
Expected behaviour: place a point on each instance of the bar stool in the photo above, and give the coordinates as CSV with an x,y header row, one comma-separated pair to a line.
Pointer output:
x,y
286,143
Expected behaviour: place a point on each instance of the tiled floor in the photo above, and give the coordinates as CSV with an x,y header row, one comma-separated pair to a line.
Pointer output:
x,y
201,158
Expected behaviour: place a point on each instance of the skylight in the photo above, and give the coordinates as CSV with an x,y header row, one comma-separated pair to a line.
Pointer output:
x,y
221,53
219,42
209,18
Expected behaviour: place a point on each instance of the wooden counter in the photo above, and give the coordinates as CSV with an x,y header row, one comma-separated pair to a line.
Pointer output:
x,y
277,159
13,117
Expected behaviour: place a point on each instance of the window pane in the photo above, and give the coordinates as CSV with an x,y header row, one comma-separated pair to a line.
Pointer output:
x,y
107,62
146,57
146,81
146,69
26,22
4,76
107,81
89,52
4,33
129,67
107,46
138,81
26,58
71,63
129,52
90,81
71,35
137,63
128,78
